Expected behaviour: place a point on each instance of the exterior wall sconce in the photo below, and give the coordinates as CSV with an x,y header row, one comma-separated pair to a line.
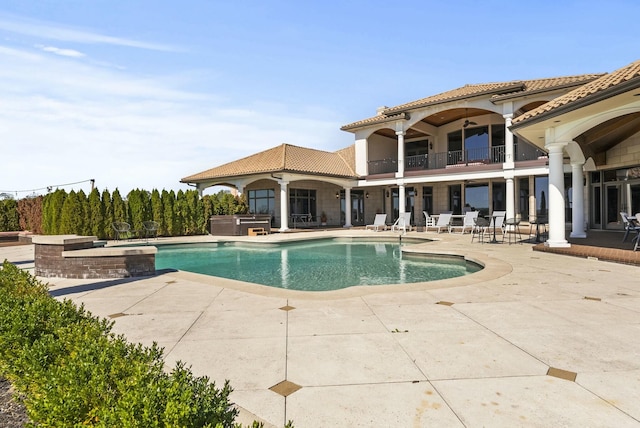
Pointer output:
x,y
387,193
430,145
337,195
366,195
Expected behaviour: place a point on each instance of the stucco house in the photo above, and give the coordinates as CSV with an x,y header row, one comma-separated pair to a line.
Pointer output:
x,y
565,149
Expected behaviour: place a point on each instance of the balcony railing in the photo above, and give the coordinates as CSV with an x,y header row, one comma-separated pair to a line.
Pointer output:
x,y
478,156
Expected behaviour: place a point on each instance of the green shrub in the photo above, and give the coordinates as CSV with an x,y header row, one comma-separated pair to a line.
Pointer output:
x,y
71,370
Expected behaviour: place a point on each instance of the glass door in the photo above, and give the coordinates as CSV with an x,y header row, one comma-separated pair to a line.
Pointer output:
x,y
410,201
357,207
614,204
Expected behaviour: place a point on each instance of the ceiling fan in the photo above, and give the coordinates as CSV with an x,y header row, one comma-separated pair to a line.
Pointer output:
x,y
467,122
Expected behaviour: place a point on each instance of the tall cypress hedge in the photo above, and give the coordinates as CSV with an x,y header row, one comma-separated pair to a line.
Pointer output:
x,y
182,213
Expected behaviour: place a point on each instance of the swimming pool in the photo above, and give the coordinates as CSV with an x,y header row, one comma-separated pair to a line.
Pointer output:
x,y
318,265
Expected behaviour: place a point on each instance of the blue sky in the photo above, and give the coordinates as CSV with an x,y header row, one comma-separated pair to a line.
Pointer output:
x,y
138,94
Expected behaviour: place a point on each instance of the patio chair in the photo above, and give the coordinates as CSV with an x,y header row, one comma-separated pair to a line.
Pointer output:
x,y
540,225
512,225
480,228
628,223
122,230
150,228
444,221
428,220
468,222
378,222
402,223
635,222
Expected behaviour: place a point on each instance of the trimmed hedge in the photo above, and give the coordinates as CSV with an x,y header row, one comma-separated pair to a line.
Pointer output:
x,y
59,212
71,370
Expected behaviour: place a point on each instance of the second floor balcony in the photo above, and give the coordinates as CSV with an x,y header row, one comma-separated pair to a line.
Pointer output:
x,y
443,160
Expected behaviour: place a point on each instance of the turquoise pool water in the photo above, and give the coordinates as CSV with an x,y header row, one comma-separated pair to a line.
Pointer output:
x,y
318,265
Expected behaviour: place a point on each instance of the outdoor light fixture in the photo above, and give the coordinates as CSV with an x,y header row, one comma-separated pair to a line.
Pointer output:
x,y
430,146
337,195
387,193
366,195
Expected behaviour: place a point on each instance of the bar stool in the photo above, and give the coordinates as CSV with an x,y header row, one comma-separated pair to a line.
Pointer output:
x,y
514,225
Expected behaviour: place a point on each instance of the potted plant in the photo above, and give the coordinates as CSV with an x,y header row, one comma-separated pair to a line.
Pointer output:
x,y
323,219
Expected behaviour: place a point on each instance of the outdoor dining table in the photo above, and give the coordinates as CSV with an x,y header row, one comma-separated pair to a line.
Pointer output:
x,y
492,219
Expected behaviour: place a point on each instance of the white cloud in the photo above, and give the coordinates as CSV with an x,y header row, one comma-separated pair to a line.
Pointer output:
x,y
62,121
62,52
43,30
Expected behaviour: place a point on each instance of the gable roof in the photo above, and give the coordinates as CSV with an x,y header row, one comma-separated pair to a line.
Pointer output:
x,y
285,158
498,91
607,85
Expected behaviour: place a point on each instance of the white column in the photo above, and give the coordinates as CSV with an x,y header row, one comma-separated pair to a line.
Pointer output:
x,y
508,142
511,195
577,201
556,196
400,135
508,166
347,207
402,199
284,206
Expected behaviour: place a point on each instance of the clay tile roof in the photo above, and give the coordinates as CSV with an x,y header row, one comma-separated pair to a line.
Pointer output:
x,y
543,85
284,158
585,92
496,91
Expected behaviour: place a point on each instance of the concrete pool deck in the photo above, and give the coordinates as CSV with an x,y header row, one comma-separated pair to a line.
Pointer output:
x,y
535,339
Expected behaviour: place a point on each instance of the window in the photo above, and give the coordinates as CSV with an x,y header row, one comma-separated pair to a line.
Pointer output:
x,y
523,200
497,135
415,148
302,201
477,196
476,143
454,148
499,192
542,192
261,201
455,205
427,199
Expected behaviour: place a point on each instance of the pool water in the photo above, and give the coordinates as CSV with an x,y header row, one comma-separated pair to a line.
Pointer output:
x,y
319,265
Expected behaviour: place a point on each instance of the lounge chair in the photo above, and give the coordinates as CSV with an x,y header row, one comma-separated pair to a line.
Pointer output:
x,y
402,223
378,222
468,222
444,221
